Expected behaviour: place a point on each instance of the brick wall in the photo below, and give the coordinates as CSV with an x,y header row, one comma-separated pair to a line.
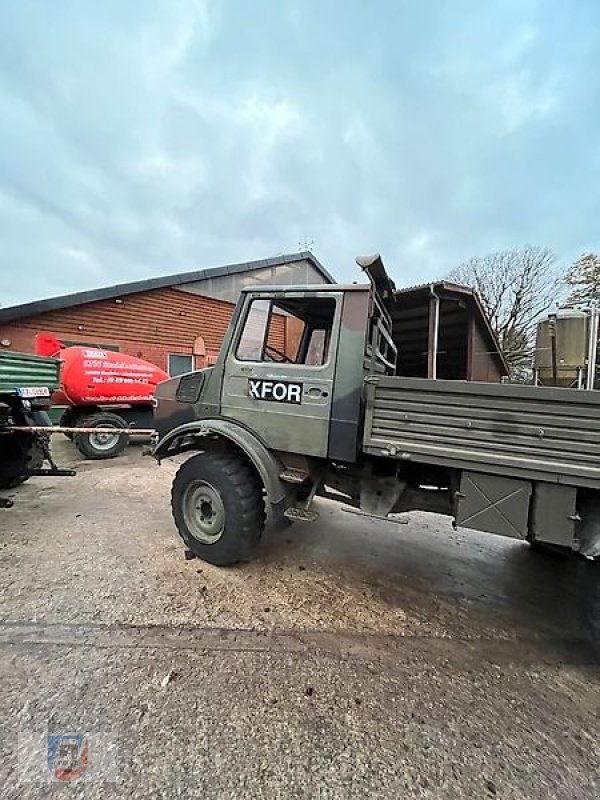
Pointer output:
x,y
149,325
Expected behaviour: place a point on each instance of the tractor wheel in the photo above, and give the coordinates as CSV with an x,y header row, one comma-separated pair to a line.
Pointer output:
x,y
13,460
19,452
101,445
69,419
218,507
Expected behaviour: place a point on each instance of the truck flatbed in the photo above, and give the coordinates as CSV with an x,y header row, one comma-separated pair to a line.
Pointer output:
x,y
549,434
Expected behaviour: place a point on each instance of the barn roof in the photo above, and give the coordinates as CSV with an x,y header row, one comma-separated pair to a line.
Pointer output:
x,y
11,313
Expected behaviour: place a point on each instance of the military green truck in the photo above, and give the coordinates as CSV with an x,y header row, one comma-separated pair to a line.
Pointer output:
x,y
326,412
26,384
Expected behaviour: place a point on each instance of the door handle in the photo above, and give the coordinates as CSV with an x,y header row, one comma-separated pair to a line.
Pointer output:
x,y
315,392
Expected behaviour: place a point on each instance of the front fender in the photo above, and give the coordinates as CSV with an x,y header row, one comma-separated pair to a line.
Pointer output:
x,y
266,463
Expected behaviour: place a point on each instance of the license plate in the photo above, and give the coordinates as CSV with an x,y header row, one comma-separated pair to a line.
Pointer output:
x,y
34,391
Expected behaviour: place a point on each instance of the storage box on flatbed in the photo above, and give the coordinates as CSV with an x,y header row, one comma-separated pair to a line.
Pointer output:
x,y
545,434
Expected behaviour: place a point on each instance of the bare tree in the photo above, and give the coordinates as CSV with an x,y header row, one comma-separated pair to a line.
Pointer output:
x,y
584,278
515,288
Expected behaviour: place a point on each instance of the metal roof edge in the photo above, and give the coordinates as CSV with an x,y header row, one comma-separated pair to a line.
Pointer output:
x,y
11,313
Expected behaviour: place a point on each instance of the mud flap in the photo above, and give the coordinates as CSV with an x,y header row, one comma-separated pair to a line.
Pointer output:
x,y
587,542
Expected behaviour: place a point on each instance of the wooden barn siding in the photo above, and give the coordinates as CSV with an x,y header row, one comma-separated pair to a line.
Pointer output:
x,y
149,324
484,365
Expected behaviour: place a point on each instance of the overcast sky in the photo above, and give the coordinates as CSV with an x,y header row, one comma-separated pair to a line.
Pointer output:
x,y
140,137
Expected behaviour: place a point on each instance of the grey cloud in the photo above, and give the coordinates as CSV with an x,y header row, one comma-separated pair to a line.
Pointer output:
x,y
151,137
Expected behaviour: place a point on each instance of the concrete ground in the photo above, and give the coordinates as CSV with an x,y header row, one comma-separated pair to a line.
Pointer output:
x,y
352,658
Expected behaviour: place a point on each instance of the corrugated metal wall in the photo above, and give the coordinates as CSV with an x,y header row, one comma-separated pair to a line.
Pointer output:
x,y
483,366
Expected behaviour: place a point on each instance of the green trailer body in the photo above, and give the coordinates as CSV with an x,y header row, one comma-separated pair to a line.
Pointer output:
x,y
24,371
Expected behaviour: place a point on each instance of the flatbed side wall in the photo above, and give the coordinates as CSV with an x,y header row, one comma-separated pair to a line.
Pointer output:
x,y
20,370
540,433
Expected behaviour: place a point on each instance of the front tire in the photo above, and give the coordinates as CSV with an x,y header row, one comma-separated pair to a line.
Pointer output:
x,y
19,453
218,507
15,451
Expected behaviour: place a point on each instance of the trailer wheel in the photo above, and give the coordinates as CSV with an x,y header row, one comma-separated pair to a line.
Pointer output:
x,y
101,445
218,507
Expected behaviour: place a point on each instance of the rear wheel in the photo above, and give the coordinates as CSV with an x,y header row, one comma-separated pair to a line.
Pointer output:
x,y
107,443
14,449
218,507
69,419
19,452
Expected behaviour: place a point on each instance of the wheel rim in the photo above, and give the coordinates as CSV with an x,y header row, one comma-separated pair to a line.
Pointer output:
x,y
204,512
105,441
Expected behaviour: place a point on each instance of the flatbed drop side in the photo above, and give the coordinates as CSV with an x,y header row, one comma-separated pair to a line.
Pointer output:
x,y
305,401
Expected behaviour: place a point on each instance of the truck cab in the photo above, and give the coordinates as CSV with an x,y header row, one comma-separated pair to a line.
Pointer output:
x,y
291,369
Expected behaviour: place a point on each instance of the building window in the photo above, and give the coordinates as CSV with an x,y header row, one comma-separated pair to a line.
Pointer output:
x,y
179,364
291,330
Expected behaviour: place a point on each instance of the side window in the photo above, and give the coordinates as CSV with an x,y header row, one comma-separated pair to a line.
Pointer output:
x,y
252,339
318,342
295,330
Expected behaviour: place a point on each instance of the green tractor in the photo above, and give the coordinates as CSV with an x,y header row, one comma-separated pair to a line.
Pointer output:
x,y
26,386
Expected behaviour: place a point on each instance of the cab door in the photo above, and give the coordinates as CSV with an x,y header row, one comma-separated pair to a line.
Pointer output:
x,y
278,377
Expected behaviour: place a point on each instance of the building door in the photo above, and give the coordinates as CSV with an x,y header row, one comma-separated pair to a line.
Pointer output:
x,y
279,372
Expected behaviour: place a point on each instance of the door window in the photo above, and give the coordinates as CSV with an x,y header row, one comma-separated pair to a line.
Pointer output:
x,y
295,330
252,339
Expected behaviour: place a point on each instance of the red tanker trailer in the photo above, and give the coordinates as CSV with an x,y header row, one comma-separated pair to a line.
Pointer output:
x,y
102,389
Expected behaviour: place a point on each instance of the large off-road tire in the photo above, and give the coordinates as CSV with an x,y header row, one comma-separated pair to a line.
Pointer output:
x,y
14,450
218,507
101,445
20,452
